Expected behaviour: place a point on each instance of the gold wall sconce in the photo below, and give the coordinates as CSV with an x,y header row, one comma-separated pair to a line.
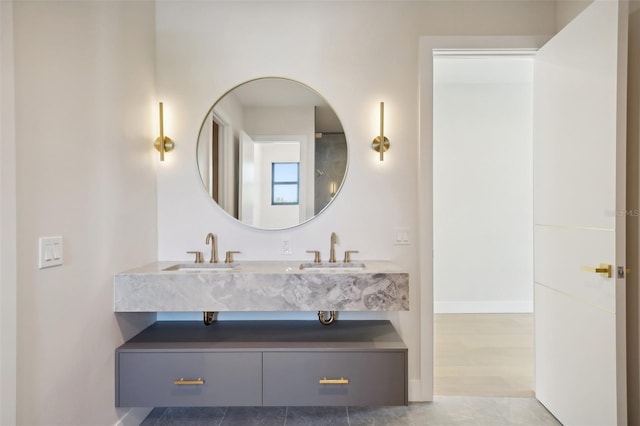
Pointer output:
x,y
381,144
163,143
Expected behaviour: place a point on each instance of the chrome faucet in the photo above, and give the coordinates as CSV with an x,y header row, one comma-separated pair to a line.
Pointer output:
x,y
213,240
332,252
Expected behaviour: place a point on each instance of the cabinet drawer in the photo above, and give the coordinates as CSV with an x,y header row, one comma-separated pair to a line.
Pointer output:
x,y
374,378
147,379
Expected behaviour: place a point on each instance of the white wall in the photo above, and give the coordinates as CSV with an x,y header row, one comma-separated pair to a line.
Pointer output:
x,y
205,48
86,118
483,189
8,273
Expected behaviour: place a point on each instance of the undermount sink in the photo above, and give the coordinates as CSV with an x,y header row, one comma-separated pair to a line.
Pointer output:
x,y
333,266
201,267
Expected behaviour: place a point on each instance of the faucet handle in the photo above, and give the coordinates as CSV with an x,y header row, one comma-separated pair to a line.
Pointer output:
x,y
347,255
198,254
229,257
316,257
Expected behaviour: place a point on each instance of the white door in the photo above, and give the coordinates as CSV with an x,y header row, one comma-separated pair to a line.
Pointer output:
x,y
247,186
579,215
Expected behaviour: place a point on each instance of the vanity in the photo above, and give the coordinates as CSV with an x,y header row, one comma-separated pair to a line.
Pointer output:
x,y
256,363
272,154
262,363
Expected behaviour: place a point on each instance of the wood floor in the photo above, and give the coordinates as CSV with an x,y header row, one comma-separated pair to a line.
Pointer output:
x,y
483,355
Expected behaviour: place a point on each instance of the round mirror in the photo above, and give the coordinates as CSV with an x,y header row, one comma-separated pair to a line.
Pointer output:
x,y
272,153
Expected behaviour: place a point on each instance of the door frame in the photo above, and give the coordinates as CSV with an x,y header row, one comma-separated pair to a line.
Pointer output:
x,y
425,177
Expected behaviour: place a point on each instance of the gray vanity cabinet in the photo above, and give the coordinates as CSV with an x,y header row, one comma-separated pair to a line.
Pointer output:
x,y
353,378
188,379
271,363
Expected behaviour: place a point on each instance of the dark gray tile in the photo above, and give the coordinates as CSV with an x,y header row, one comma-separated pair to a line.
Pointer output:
x,y
462,411
529,412
316,416
479,411
153,416
429,413
192,416
443,411
254,416
379,416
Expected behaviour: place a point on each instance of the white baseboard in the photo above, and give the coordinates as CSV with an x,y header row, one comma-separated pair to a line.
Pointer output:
x,y
483,307
134,416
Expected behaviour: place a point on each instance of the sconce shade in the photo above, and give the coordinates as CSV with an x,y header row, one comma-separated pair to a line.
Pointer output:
x,y
380,143
163,143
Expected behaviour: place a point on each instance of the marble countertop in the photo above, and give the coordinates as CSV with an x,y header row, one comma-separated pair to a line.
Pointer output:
x,y
262,286
267,267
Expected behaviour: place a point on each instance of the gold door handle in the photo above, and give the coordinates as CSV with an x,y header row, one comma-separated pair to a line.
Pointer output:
x,y
604,269
182,381
340,381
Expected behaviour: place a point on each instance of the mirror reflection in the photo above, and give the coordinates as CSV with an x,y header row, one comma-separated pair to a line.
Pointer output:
x,y
272,153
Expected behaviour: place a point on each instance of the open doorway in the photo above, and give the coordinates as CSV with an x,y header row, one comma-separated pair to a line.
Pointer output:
x,y
483,222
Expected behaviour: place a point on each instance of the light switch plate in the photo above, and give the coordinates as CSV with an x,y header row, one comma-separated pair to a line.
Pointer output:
x,y
402,237
50,252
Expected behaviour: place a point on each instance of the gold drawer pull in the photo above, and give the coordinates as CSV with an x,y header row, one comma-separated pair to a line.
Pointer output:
x,y
340,381
182,381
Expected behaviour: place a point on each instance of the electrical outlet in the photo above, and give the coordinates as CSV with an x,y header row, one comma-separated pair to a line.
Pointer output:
x,y
286,246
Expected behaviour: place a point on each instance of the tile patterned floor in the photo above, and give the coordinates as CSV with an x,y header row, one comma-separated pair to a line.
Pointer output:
x,y
443,411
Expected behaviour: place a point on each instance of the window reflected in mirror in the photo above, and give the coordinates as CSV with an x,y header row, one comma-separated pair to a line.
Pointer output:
x,y
285,183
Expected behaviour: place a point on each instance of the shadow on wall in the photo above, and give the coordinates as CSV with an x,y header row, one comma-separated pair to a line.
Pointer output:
x,y
131,323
